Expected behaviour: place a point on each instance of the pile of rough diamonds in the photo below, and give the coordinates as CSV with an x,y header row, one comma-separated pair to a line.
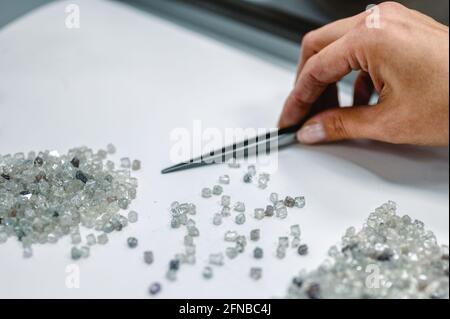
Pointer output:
x,y
46,196
391,257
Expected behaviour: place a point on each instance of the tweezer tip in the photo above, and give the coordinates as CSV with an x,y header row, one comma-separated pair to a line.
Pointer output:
x,y
167,170
173,168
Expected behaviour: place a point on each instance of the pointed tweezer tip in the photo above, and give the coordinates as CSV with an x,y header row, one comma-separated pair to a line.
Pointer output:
x,y
184,166
170,169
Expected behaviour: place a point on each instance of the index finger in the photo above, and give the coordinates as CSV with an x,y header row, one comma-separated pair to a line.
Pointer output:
x,y
314,41
326,67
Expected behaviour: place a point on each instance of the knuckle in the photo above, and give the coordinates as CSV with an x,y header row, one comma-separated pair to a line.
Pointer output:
x,y
308,40
297,99
315,70
338,126
392,6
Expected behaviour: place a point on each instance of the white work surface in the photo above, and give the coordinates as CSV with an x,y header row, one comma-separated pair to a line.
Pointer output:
x,y
130,78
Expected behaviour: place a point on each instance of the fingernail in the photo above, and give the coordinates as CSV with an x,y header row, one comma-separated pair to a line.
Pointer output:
x,y
312,133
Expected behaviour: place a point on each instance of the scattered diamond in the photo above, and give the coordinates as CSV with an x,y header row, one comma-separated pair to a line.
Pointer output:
x,y
216,259
207,272
155,288
231,236
206,192
136,165
148,257
224,179
239,207
258,253
255,234
240,219
259,213
300,201
255,273
132,242
302,250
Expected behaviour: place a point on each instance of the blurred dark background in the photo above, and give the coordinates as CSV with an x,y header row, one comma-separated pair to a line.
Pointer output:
x,y
269,26
319,11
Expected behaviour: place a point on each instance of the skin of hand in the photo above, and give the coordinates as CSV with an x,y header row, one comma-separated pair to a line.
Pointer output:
x,y
405,60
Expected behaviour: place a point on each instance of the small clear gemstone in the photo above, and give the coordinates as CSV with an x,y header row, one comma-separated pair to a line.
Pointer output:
x,y
225,200
132,216
175,222
258,253
174,264
207,272
111,149
232,163
241,242
91,239
216,259
125,162
217,190
255,234
190,249
226,211
295,242
76,253
224,179
132,242
171,275
283,242
302,250
281,252
295,230
75,238
281,212
289,202
188,240
136,165
193,231
231,252
251,170
174,205
123,203
217,219
274,198
255,273
102,239
155,288
240,219
231,236
239,207
300,201
206,192
259,213
247,178
269,212
192,209
148,257
263,180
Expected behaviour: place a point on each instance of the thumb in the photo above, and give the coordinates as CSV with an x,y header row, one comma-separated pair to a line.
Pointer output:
x,y
338,124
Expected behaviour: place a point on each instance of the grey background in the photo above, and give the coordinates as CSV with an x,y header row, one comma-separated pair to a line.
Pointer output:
x,y
12,9
319,10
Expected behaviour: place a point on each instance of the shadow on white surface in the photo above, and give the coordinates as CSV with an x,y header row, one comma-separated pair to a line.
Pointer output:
x,y
417,167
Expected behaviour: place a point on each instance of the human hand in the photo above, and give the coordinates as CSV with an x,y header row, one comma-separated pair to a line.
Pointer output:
x,y
405,60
